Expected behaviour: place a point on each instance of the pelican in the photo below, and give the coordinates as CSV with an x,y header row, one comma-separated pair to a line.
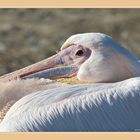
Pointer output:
x,y
107,97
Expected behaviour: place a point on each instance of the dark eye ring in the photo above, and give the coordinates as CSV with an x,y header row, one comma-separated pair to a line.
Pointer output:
x,y
79,53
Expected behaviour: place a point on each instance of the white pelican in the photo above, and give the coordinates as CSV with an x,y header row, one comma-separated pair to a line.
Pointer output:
x,y
110,102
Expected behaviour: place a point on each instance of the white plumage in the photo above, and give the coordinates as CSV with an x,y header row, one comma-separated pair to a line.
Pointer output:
x,y
85,107
89,107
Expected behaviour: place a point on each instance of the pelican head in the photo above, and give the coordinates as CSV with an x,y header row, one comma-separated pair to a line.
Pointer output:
x,y
91,57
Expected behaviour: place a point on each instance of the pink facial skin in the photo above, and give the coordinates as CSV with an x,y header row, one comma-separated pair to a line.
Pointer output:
x,y
68,62
74,55
65,63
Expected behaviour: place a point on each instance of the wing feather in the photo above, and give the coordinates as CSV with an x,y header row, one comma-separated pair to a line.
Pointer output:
x,y
89,107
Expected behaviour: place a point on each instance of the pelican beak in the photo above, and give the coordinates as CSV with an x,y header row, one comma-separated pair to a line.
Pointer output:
x,y
50,68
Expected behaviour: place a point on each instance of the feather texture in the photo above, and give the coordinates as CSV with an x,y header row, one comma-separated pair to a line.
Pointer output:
x,y
90,107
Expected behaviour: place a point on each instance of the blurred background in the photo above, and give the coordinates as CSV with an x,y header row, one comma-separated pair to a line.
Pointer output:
x,y
30,35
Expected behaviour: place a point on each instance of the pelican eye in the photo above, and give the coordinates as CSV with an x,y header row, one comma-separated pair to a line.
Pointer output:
x,y
79,53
